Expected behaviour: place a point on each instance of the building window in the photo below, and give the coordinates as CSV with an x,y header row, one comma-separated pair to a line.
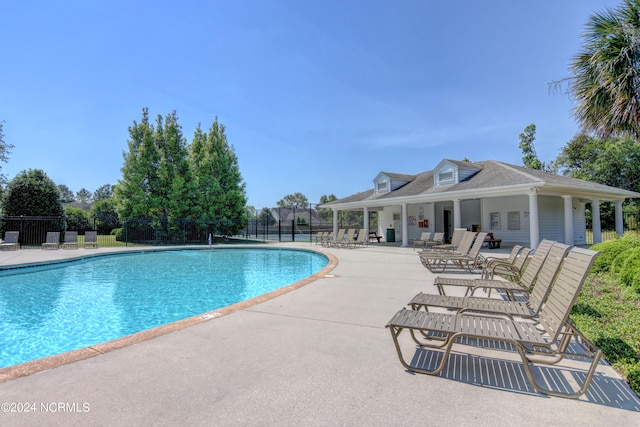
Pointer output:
x,y
513,220
382,186
445,176
494,220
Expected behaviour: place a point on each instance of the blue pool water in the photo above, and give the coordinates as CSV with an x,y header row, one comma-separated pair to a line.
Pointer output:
x,y
53,309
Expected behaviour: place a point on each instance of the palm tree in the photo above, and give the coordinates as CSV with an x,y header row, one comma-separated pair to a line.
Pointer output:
x,y
606,81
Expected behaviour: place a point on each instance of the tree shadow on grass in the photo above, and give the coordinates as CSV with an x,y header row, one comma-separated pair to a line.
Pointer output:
x,y
585,310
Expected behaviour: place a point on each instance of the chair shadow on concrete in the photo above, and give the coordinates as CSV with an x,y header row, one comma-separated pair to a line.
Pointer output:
x,y
510,375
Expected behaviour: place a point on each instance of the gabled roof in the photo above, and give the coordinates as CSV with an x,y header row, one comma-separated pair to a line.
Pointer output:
x,y
398,176
492,179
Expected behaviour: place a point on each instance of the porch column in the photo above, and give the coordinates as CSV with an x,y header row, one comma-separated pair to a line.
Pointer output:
x,y
568,220
365,222
619,221
596,227
457,221
335,222
534,226
405,222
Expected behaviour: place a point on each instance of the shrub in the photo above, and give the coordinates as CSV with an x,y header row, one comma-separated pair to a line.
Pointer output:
x,y
119,233
626,267
106,218
610,250
77,219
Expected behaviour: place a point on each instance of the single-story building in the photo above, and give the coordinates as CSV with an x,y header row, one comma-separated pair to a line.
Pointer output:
x,y
517,204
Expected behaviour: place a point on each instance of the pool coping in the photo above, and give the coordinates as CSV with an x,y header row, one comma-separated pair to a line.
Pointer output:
x,y
34,366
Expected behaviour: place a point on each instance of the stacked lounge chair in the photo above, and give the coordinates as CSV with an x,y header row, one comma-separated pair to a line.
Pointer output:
x,y
362,239
435,240
455,241
510,268
422,241
543,341
337,240
438,261
529,308
520,286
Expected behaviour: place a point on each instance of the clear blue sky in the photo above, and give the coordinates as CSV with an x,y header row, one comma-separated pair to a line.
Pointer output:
x,y
318,97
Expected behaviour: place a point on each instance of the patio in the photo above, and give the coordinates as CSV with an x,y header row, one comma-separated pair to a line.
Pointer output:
x,y
319,355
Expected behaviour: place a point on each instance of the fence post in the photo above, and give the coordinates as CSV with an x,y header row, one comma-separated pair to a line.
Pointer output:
x,y
21,231
310,223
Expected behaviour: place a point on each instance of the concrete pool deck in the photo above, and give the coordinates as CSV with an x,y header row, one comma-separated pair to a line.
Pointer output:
x,y
319,355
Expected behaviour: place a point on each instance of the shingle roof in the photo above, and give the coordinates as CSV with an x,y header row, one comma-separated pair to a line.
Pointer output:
x,y
399,176
491,175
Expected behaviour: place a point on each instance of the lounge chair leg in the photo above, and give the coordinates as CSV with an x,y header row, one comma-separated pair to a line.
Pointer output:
x,y
395,332
540,389
430,338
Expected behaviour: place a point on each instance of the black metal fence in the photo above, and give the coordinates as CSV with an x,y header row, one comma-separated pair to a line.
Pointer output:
x,y
630,221
188,231
152,231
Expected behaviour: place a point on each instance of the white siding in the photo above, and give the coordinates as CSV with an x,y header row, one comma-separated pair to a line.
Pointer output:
x,y
385,218
551,214
579,223
470,213
427,211
502,206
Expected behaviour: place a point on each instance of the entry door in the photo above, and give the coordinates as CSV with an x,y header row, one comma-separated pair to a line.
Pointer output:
x,y
447,225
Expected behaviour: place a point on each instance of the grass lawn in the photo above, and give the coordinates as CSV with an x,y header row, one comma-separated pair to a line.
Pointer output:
x,y
103,240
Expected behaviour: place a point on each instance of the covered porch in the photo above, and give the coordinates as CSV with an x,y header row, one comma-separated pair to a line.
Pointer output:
x,y
523,218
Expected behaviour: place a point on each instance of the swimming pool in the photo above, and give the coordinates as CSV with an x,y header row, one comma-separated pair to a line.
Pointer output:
x,y
55,308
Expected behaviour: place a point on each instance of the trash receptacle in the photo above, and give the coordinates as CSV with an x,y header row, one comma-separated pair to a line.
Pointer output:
x,y
391,234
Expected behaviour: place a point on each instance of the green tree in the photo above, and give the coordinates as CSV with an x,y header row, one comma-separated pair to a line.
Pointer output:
x,y
105,216
104,192
219,183
66,195
345,218
251,211
77,219
609,161
266,217
529,155
326,213
156,178
298,200
32,193
83,196
5,150
606,73
175,195
135,192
